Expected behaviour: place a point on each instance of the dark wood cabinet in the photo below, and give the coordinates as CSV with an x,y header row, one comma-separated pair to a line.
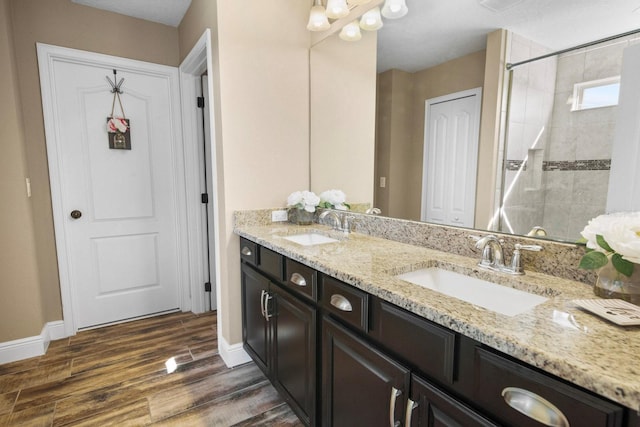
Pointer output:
x,y
255,328
343,357
429,406
279,333
360,385
294,352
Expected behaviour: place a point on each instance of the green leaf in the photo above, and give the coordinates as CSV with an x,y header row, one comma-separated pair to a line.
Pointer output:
x,y
593,261
582,241
622,265
603,243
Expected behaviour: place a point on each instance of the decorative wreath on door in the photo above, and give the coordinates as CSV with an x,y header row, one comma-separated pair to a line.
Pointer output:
x,y
118,127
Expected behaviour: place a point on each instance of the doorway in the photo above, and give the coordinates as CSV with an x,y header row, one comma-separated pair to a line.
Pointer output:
x,y
452,128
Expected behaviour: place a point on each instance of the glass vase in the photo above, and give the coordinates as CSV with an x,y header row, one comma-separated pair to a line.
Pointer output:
x,y
303,217
613,284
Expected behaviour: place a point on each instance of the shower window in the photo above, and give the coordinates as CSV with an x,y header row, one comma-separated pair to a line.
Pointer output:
x,y
596,93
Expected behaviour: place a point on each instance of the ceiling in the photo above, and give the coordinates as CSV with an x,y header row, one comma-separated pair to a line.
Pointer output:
x,y
168,12
435,31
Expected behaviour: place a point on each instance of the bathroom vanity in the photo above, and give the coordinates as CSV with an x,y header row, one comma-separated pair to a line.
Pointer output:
x,y
347,342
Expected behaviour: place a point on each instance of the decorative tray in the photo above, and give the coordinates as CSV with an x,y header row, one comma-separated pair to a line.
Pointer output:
x,y
617,311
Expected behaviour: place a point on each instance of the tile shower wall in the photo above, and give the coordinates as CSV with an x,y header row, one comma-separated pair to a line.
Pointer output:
x,y
557,161
530,111
579,155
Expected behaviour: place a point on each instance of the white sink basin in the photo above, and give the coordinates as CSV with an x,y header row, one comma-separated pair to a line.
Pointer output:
x,y
497,298
310,239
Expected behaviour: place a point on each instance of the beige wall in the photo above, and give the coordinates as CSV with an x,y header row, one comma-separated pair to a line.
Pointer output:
x,y
401,133
21,313
263,120
394,128
343,97
62,23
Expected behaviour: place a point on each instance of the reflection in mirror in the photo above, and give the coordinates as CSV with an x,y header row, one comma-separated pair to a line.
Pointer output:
x,y
544,184
561,124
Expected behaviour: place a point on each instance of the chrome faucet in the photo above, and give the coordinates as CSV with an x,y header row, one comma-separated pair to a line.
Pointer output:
x,y
341,222
493,255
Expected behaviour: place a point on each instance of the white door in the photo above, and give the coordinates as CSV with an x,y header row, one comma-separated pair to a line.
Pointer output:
x,y
122,257
452,126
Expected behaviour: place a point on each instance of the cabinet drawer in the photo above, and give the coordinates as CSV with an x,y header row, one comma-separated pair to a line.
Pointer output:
x,y
428,347
271,263
248,251
499,379
301,279
345,302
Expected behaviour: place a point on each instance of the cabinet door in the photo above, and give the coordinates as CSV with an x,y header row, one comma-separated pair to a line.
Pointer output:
x,y
431,407
255,328
294,353
360,385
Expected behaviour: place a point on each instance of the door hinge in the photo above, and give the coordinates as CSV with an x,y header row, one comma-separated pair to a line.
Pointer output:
x,y
204,197
207,287
201,102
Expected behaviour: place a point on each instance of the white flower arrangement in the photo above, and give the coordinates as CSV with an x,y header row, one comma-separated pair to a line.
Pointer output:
x,y
334,199
614,237
304,200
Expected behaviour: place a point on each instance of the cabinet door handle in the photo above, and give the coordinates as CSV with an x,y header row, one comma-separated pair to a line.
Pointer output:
x,y
246,251
341,303
267,297
298,279
411,405
534,406
262,293
392,407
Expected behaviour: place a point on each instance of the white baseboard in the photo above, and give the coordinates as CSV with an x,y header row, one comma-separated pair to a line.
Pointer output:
x,y
25,348
232,355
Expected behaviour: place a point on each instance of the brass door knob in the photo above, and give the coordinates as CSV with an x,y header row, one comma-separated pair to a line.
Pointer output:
x,y
75,214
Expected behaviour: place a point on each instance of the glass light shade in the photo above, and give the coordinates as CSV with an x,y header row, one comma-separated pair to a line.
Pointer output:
x,y
357,2
394,9
351,32
337,9
318,19
371,20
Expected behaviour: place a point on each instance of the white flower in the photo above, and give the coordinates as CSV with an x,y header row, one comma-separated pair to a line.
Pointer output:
x,y
334,199
623,235
306,200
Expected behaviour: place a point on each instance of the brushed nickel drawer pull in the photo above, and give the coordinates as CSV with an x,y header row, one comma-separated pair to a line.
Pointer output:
x,y
411,405
392,407
246,251
534,407
298,279
341,303
262,294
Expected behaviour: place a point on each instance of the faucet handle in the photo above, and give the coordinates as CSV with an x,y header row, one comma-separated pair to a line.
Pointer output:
x,y
532,248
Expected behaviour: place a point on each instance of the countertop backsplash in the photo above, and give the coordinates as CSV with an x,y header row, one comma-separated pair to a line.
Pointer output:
x,y
556,259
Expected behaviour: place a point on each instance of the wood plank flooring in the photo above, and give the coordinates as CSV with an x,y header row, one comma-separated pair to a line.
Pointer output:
x,y
162,371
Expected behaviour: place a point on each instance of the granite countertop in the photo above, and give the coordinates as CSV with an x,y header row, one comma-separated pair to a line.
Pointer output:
x,y
555,336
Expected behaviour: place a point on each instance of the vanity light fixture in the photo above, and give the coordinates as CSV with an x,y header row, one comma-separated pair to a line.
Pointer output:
x,y
351,32
371,20
318,20
394,9
337,9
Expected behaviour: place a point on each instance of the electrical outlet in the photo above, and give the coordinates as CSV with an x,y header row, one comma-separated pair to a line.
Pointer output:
x,y
277,216
383,181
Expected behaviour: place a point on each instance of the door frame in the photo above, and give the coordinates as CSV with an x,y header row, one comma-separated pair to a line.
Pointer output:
x,y
47,55
425,154
194,64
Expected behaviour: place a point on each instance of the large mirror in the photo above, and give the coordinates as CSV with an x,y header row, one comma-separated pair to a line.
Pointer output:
x,y
544,152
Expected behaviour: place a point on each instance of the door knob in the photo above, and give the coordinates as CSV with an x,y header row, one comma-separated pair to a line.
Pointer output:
x,y
75,214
